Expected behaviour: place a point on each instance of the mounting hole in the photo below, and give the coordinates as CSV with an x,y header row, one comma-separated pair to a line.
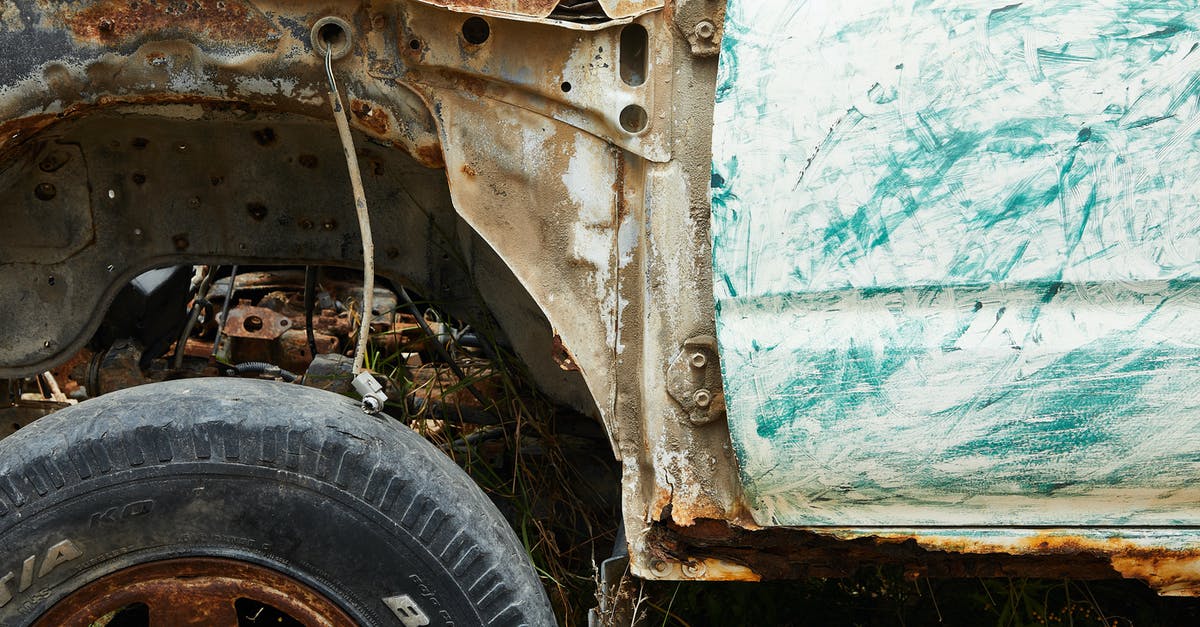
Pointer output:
x,y
634,119
566,87
476,30
332,33
415,44
252,324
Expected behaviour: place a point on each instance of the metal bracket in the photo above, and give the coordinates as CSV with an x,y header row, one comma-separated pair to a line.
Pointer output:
x,y
694,380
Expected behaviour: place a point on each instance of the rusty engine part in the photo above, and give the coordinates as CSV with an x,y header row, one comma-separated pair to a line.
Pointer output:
x,y
255,324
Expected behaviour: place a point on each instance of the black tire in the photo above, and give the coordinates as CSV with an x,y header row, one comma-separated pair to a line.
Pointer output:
x,y
299,480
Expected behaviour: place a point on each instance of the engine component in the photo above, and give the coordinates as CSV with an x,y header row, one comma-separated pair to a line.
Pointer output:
x,y
145,311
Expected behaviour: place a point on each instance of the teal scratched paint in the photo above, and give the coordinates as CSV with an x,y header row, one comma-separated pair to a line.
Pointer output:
x,y
957,261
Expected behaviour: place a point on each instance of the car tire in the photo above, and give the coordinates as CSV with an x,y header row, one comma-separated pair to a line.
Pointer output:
x,y
210,477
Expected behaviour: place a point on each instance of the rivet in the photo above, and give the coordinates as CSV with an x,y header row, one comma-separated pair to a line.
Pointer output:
x,y
704,29
702,398
45,191
660,567
694,569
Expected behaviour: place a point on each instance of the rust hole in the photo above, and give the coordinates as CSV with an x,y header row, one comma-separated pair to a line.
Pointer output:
x,y
308,161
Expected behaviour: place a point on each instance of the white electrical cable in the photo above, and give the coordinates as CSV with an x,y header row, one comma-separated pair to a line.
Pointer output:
x,y
360,207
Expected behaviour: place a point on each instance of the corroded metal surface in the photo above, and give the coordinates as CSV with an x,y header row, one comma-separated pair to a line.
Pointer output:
x,y
558,12
117,21
198,133
194,591
1167,560
248,321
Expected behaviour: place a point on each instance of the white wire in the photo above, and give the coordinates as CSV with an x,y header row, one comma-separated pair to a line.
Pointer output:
x,y
360,208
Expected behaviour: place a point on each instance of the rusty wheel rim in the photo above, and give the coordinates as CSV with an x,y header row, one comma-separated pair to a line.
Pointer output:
x,y
194,591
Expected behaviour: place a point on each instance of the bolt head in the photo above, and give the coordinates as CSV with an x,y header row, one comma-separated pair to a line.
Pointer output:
x,y
694,569
660,567
702,397
698,360
705,29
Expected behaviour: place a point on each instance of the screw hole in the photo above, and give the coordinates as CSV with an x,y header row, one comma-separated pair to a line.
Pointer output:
x,y
415,44
476,30
566,87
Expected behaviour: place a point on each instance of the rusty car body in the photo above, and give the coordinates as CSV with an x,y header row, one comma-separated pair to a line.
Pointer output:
x,y
566,150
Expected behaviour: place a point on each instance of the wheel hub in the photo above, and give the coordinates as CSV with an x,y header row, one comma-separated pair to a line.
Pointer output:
x,y
195,591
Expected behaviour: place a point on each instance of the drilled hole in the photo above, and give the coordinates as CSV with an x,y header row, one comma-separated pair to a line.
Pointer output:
x,y
566,87
634,119
476,30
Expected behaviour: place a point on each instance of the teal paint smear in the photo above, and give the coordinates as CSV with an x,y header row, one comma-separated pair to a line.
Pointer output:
x,y
956,251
